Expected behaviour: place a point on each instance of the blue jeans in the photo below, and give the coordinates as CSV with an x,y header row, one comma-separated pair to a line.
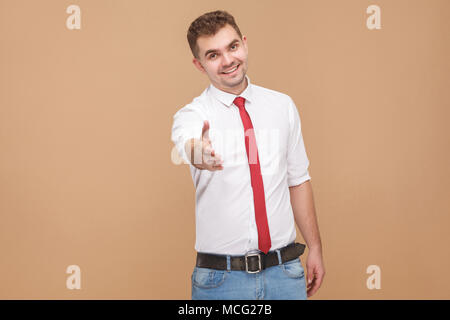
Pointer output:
x,y
285,281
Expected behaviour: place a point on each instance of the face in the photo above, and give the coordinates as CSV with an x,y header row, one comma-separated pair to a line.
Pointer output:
x,y
221,53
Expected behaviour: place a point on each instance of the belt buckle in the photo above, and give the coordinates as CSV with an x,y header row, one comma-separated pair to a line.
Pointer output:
x,y
246,261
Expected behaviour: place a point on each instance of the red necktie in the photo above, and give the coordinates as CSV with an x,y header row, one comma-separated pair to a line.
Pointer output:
x,y
264,242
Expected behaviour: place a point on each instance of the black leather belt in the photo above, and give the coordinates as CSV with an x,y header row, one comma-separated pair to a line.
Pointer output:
x,y
252,262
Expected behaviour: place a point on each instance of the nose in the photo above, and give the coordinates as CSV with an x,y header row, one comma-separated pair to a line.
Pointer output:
x,y
227,61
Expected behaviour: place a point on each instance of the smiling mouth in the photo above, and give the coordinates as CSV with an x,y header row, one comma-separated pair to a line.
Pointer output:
x,y
232,72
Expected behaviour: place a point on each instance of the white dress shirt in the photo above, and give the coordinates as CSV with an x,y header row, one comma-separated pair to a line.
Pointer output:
x,y
224,208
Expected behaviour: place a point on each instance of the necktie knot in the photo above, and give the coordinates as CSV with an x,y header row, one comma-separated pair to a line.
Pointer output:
x,y
239,102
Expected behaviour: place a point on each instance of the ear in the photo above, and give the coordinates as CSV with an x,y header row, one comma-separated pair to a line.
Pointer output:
x,y
198,65
244,40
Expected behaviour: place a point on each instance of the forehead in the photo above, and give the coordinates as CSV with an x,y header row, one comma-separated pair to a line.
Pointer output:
x,y
218,41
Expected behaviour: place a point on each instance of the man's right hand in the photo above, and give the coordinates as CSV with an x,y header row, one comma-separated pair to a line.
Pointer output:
x,y
201,151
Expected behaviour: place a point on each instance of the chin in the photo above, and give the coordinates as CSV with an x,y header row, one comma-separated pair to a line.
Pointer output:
x,y
236,80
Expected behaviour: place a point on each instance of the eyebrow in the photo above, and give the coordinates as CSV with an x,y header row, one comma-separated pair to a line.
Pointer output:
x,y
215,50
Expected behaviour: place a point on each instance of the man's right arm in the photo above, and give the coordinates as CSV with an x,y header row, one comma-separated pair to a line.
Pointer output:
x,y
187,126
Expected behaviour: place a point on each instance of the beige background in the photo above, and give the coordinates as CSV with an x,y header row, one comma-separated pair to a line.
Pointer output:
x,y
86,176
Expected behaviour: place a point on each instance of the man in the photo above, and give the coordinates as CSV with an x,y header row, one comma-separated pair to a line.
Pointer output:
x,y
250,194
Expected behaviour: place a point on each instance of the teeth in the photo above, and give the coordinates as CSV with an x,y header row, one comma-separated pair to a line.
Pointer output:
x,y
232,70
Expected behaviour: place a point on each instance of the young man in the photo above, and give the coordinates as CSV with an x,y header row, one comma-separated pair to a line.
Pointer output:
x,y
250,194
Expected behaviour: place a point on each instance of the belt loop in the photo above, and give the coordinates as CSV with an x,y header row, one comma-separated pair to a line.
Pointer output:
x,y
228,263
279,256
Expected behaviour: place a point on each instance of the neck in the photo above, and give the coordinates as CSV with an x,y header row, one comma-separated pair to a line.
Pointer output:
x,y
238,89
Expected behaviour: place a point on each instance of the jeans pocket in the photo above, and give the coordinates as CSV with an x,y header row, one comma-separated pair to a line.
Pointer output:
x,y
293,268
208,278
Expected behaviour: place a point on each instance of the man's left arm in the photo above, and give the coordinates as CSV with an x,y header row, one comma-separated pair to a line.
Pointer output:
x,y
305,217
302,202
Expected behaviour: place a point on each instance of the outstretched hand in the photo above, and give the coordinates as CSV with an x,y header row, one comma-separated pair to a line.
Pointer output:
x,y
203,152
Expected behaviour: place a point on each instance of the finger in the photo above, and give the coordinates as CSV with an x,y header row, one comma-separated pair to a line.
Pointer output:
x,y
218,163
205,130
209,160
215,163
218,159
309,290
210,153
314,288
318,281
207,154
310,278
217,167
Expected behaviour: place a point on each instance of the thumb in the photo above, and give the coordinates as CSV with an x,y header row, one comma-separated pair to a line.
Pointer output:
x,y
205,130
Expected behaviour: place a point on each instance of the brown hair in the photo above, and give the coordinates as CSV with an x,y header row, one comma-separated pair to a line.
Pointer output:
x,y
209,24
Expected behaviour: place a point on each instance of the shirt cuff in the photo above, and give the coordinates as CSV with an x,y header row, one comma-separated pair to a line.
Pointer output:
x,y
292,182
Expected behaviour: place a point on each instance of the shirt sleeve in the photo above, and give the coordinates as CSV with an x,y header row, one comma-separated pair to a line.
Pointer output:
x,y
297,159
187,124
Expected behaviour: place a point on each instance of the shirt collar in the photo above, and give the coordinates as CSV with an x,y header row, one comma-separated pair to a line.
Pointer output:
x,y
228,98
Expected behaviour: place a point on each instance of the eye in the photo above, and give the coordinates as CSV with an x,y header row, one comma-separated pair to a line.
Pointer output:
x,y
211,55
234,45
